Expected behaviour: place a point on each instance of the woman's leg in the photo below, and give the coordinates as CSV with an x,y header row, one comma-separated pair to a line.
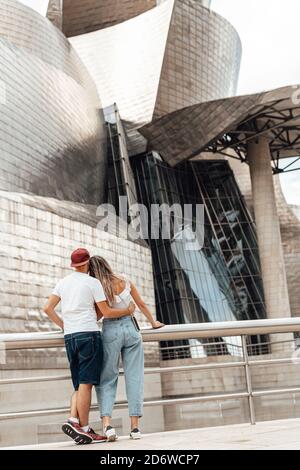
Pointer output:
x,y
133,363
106,391
134,422
106,421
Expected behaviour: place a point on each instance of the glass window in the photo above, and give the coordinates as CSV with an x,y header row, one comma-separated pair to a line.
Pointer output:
x,y
221,281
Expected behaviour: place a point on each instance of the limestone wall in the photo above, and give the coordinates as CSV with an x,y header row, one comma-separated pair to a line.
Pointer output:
x,y
37,236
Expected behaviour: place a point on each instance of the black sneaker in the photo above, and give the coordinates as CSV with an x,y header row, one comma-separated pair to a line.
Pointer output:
x,y
135,434
75,432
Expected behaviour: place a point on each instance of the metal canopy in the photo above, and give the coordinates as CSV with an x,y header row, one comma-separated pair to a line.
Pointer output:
x,y
226,126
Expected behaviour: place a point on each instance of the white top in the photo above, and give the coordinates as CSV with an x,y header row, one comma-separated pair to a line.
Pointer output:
x,y
123,299
78,293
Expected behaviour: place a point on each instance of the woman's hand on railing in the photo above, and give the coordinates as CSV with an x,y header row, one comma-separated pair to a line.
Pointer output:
x,y
157,324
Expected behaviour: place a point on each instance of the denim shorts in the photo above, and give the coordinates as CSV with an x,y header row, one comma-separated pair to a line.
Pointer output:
x,y
85,355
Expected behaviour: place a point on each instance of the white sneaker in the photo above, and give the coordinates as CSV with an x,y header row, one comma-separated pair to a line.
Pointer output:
x,y
110,433
136,434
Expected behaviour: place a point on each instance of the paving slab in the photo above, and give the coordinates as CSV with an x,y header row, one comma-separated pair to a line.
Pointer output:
x,y
263,436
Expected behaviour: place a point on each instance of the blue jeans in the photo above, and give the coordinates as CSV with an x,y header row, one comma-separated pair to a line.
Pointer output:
x,y
120,339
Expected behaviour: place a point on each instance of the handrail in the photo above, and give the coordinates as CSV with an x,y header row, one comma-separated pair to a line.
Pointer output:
x,y
172,333
13,341
147,371
122,404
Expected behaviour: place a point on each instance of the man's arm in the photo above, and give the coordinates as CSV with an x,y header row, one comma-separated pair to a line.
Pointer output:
x,y
98,312
102,305
49,309
108,312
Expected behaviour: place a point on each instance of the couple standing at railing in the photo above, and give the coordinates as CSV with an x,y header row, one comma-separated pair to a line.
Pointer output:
x,y
90,293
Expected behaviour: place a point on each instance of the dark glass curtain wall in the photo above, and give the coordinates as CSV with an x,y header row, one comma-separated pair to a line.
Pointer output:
x,y
220,281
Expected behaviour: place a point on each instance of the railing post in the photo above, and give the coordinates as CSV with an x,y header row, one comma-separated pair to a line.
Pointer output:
x,y
248,381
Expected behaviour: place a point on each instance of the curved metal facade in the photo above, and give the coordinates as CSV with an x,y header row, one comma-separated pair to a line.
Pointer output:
x,y
202,58
85,16
125,62
177,54
52,133
189,131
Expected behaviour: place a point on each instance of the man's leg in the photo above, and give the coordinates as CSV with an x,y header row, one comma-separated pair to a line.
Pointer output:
x,y
89,354
73,360
74,411
84,399
71,427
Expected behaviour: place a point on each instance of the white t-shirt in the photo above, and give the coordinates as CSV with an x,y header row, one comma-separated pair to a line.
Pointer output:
x,y
78,293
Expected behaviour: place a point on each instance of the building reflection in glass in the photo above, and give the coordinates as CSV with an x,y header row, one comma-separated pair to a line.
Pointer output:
x,y
221,281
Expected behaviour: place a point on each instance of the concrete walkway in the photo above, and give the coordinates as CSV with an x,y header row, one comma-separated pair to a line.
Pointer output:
x,y
267,435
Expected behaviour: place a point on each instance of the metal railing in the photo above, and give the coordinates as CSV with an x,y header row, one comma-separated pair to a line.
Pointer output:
x,y
31,341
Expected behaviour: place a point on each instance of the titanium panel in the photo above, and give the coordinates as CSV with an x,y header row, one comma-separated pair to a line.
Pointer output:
x,y
125,62
171,56
202,58
229,123
52,130
85,16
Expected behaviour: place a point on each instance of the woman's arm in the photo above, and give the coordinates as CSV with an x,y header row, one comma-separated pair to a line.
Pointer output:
x,y
107,312
144,309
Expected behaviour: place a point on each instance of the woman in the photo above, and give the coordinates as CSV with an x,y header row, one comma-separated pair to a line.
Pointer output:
x,y
120,339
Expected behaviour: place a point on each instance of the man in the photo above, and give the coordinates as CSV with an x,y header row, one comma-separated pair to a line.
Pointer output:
x,y
81,296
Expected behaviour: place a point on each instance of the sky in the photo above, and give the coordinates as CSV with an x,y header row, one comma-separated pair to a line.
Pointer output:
x,y
39,5
270,35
